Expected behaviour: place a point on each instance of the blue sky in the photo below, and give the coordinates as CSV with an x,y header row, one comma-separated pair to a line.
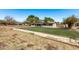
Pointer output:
x,y
21,14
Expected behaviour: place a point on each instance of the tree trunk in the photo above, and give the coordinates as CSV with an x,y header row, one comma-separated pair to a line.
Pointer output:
x,y
70,25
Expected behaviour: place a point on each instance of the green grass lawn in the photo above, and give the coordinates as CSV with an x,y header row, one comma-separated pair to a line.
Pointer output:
x,y
56,31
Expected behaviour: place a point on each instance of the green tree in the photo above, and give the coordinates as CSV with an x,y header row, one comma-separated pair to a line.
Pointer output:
x,y
32,19
70,21
48,19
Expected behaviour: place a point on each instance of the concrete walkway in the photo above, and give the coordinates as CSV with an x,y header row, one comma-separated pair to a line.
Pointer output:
x,y
53,37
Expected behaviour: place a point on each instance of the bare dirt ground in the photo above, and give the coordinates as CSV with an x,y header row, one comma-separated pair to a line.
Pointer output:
x,y
16,40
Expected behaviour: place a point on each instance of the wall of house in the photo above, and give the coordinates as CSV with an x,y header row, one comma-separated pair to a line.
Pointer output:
x,y
75,26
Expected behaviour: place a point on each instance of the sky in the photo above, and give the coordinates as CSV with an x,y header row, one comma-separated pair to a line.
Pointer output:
x,y
21,14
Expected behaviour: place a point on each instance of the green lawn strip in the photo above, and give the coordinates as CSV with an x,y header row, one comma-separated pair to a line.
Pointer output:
x,y
56,31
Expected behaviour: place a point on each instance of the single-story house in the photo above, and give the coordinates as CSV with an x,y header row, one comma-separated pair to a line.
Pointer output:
x,y
76,25
43,24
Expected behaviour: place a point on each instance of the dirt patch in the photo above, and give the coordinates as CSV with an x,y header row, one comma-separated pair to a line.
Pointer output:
x,y
16,40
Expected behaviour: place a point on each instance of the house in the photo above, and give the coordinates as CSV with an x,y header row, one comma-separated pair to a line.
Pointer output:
x,y
43,24
76,25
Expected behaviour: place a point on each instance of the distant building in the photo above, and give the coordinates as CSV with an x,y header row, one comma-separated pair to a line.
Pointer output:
x,y
43,24
76,25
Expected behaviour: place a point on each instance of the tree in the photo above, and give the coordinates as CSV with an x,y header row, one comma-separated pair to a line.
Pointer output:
x,y
48,19
32,19
70,21
10,20
3,22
